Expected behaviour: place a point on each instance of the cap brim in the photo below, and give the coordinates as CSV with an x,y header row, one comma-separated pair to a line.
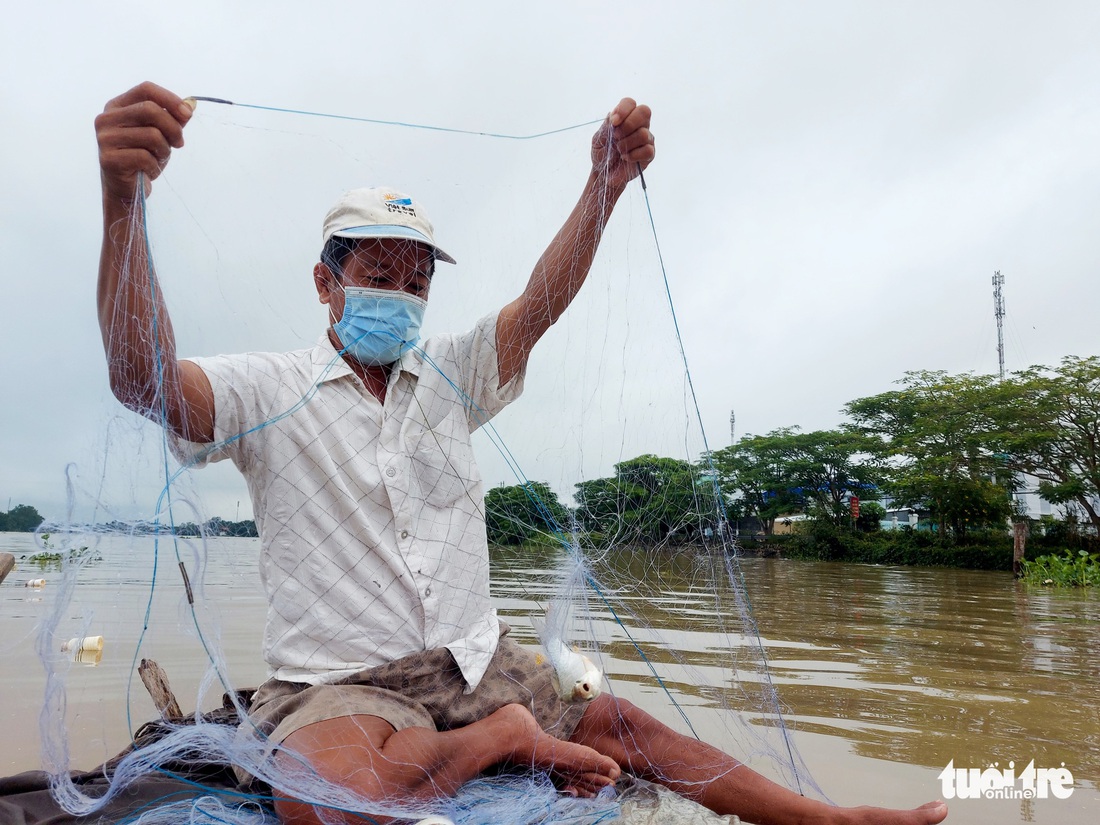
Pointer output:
x,y
393,231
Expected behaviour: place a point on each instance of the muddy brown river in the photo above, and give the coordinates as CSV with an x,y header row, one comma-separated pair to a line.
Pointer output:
x,y
885,675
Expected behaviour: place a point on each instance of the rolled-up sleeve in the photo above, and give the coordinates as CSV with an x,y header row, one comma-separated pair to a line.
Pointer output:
x,y
477,351
244,388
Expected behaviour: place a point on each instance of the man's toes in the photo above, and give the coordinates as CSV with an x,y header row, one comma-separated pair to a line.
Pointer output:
x,y
936,811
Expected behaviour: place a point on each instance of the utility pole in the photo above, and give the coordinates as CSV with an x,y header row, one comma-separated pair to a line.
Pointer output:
x,y
1020,528
999,312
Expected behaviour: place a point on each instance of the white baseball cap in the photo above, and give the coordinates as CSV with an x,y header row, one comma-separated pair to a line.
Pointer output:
x,y
381,212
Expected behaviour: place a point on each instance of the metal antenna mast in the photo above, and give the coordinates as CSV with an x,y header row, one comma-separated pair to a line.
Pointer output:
x,y
733,427
999,312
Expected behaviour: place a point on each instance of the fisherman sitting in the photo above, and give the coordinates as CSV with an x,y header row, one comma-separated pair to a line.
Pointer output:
x,y
390,672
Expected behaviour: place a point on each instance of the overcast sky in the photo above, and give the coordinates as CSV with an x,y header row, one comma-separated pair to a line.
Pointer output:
x,y
835,185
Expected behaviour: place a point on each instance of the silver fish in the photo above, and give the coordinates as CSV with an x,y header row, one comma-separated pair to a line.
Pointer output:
x,y
576,677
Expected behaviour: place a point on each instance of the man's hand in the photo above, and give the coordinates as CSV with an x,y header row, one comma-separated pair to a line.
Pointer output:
x,y
623,143
136,133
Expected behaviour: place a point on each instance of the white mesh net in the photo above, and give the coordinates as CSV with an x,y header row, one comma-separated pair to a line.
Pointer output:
x,y
607,552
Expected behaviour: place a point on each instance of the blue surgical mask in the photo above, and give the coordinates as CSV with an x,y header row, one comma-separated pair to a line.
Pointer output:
x,y
378,325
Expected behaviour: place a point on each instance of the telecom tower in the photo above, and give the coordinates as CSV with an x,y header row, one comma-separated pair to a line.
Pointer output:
x,y
999,312
733,421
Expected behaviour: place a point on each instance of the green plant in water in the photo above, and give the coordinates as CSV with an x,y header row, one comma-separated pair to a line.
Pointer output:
x,y
51,558
1080,569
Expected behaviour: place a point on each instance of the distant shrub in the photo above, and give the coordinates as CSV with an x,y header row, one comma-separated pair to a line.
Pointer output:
x,y
826,542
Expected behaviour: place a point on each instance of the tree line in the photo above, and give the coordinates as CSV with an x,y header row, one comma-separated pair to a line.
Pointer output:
x,y
953,446
22,518
956,447
26,519
213,527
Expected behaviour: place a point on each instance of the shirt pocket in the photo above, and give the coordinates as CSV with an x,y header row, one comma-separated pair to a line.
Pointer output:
x,y
442,459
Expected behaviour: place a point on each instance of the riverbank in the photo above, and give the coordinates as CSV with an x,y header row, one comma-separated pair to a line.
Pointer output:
x,y
1047,561
981,550
905,548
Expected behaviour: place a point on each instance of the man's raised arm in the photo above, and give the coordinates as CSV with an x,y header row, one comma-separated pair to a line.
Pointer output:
x,y
136,134
622,146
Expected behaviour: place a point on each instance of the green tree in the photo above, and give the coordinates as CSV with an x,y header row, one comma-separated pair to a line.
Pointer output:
x,y
870,518
788,471
520,512
650,500
941,438
1051,419
757,469
829,466
668,499
598,505
216,526
22,518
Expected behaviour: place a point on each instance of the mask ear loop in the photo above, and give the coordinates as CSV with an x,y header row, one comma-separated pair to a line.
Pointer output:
x,y
336,277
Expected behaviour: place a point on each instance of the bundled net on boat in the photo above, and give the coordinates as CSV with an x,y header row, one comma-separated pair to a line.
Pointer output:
x,y
610,529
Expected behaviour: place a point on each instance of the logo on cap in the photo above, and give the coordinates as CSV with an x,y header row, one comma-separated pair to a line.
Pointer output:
x,y
399,205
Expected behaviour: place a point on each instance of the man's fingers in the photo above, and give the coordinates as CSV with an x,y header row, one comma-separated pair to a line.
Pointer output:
x,y
139,115
633,119
594,780
125,163
146,138
168,101
642,155
633,139
587,784
631,143
125,153
621,111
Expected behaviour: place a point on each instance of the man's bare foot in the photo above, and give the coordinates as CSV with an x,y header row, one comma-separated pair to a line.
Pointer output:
x,y
580,768
927,814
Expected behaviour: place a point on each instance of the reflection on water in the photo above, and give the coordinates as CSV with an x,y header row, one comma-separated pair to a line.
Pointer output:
x,y
913,667
923,666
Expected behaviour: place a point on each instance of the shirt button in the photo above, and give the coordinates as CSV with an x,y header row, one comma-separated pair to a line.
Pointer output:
x,y
428,592
391,472
404,534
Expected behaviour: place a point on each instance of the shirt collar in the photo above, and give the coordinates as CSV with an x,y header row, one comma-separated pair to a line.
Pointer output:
x,y
328,365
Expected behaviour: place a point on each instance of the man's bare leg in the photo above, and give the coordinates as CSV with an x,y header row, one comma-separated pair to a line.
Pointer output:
x,y
653,751
366,755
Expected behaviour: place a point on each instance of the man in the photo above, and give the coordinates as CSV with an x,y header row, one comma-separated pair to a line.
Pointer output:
x,y
390,673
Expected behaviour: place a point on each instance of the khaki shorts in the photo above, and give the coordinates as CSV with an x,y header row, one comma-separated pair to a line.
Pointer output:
x,y
420,690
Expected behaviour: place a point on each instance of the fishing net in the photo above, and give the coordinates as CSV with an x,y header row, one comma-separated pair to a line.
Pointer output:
x,y
610,542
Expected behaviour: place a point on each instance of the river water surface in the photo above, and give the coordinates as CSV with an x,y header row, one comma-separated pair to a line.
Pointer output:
x,y
885,674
